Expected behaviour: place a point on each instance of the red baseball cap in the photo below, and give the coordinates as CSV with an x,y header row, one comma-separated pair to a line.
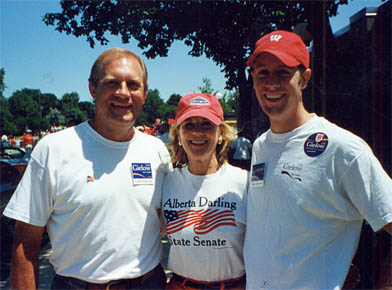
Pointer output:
x,y
199,105
285,45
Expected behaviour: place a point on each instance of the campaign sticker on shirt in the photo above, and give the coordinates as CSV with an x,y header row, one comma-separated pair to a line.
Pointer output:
x,y
141,173
257,178
316,144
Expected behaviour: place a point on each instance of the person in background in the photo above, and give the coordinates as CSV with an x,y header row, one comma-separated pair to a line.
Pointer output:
x,y
155,127
148,130
164,134
97,188
241,152
312,183
13,142
204,200
4,142
28,140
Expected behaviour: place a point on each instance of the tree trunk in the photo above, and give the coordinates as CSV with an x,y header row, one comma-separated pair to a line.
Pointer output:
x,y
244,117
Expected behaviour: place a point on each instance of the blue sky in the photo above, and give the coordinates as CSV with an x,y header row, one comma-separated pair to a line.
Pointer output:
x,y
36,56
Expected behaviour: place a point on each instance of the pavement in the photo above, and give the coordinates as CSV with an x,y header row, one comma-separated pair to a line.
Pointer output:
x,y
46,272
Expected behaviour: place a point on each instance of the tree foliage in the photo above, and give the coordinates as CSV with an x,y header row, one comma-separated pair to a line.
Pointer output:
x,y
224,31
55,117
31,109
2,84
173,100
25,109
207,87
69,101
88,108
7,125
151,108
169,111
70,109
227,101
46,102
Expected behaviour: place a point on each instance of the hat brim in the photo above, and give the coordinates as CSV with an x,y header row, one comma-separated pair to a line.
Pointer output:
x,y
200,113
283,57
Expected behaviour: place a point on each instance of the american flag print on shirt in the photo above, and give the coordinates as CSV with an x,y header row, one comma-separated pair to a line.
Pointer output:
x,y
203,220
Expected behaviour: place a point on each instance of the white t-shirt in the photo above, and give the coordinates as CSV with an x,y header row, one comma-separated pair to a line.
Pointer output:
x,y
310,190
99,200
206,218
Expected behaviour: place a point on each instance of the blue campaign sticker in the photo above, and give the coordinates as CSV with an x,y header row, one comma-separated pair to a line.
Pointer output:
x,y
141,171
316,144
258,171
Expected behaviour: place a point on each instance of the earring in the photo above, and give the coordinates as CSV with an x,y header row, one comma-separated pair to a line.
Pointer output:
x,y
179,143
220,140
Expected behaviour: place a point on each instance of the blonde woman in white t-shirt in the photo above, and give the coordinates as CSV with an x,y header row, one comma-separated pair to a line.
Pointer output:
x,y
204,200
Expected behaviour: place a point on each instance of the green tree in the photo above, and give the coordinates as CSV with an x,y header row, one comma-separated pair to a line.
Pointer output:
x,y
224,31
46,102
22,102
170,107
88,108
75,116
226,100
25,110
55,117
69,101
70,109
207,87
7,126
152,108
173,100
225,106
232,100
2,84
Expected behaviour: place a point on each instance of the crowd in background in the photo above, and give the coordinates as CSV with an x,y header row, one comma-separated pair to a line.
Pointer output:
x,y
28,140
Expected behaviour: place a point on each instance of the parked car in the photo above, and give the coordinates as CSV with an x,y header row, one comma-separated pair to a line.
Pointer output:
x,y
16,157
13,162
11,170
9,180
10,177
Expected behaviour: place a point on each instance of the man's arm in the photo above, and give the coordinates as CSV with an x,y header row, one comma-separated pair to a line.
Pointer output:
x,y
388,228
25,256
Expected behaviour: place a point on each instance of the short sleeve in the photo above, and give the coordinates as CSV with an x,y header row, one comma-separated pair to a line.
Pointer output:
x,y
369,188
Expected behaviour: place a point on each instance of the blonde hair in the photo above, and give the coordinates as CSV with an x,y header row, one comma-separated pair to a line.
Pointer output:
x,y
99,65
178,154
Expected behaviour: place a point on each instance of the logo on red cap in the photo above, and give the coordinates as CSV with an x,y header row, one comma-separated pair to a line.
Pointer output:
x,y
285,45
199,101
275,37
